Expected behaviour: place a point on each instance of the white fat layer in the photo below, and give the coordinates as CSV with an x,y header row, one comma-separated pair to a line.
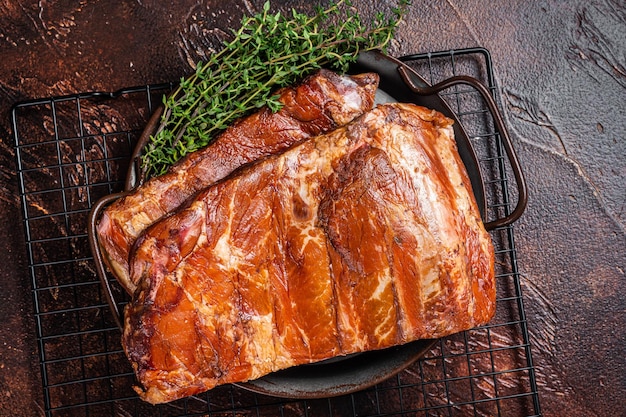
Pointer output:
x,y
351,334
261,347
430,284
385,323
231,257
138,222
384,281
352,99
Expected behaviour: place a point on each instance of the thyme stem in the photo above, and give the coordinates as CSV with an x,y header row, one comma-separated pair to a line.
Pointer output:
x,y
268,51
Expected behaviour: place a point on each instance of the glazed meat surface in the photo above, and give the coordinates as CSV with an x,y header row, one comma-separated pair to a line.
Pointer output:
x,y
319,104
361,239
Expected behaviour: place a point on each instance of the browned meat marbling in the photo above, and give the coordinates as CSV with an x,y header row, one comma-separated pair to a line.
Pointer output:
x,y
360,239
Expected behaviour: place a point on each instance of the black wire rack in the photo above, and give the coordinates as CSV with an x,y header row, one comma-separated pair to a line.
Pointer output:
x,y
72,150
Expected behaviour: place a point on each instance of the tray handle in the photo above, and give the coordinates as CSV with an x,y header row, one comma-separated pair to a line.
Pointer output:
x,y
522,199
92,235
136,175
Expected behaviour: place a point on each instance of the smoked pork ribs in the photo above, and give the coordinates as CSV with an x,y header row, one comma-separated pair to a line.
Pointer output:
x,y
363,238
322,102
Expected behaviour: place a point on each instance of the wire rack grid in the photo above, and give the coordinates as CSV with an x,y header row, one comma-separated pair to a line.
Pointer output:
x,y
75,149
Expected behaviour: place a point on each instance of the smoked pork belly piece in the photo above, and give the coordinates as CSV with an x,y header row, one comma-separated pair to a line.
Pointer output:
x,y
360,239
322,102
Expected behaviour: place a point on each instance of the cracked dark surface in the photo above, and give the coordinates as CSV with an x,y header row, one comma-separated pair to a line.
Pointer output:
x,y
561,71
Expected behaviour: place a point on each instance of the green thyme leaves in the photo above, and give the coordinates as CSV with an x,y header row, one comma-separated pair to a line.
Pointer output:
x,y
269,51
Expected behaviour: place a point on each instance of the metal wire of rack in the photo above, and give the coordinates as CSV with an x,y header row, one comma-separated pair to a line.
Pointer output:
x,y
75,149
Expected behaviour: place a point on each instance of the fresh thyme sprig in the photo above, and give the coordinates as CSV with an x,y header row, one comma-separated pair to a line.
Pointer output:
x,y
269,51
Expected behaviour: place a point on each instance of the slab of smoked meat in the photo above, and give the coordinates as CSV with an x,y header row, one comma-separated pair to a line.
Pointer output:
x,y
361,239
318,105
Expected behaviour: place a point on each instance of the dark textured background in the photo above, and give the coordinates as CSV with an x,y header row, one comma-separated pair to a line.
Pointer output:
x,y
561,70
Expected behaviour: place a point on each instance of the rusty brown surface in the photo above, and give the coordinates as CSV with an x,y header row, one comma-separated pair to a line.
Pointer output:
x,y
561,70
